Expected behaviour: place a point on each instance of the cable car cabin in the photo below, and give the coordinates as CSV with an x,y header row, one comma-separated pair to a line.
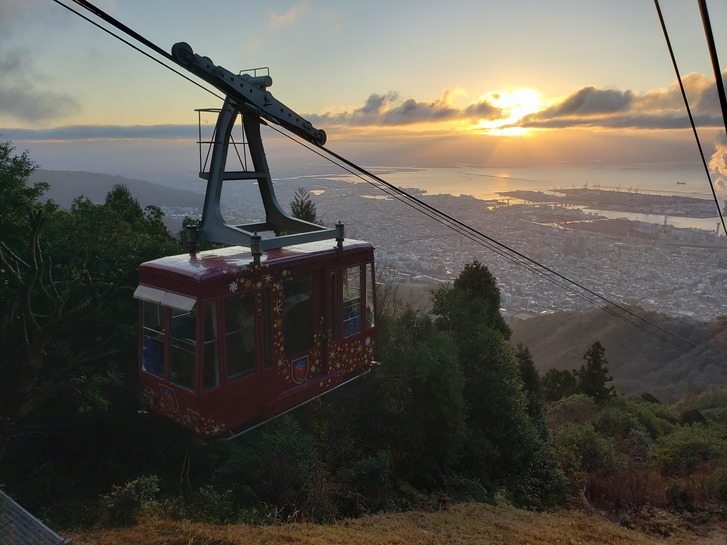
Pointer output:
x,y
226,343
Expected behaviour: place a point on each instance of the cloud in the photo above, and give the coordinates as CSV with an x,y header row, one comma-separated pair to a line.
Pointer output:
x,y
615,109
288,18
589,101
388,110
100,132
21,97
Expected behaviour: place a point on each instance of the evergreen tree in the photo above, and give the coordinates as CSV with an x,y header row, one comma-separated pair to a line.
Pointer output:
x,y
593,376
66,278
507,446
419,403
532,384
473,298
558,384
302,207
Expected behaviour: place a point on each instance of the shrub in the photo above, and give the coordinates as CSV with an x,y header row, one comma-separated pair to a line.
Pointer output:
x,y
579,449
686,448
126,504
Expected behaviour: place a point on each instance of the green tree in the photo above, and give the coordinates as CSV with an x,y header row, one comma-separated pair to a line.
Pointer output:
x,y
302,207
426,413
473,298
688,449
558,384
65,302
532,385
593,376
506,447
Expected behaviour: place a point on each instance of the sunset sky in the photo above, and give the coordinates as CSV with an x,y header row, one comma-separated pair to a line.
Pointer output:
x,y
410,83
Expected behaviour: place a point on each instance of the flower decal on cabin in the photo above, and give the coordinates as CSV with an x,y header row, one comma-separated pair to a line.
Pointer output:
x,y
217,429
333,358
233,286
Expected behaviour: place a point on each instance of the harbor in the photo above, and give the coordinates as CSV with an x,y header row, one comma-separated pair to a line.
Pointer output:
x,y
619,201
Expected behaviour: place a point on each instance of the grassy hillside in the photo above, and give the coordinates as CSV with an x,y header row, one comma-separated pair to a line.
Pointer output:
x,y
642,358
458,524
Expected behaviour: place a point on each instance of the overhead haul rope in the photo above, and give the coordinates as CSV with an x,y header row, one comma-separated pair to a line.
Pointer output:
x,y
400,194
715,62
689,111
118,24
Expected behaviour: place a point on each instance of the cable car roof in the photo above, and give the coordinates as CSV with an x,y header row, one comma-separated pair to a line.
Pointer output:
x,y
208,264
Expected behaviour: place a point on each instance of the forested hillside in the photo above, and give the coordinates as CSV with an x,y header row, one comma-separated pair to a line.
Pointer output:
x,y
457,412
64,186
690,359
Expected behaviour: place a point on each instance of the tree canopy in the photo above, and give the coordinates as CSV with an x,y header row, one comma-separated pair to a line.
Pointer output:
x,y
65,303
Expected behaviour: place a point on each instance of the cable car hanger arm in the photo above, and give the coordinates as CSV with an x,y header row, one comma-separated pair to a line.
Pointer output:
x,y
249,92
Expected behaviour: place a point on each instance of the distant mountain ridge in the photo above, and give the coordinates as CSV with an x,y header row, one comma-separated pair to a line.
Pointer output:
x,y
641,357
66,185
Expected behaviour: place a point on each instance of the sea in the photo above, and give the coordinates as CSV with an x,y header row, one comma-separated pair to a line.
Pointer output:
x,y
490,184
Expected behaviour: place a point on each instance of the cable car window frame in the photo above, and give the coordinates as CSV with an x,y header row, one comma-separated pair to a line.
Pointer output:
x,y
335,290
352,301
370,291
210,347
153,342
182,346
266,298
298,328
246,303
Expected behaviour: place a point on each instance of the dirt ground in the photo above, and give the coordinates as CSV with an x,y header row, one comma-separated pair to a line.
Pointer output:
x,y
469,524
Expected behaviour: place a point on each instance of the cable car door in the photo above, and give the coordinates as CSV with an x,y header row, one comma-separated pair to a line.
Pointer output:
x,y
297,335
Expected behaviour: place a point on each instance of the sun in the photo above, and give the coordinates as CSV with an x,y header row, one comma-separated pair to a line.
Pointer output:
x,y
515,105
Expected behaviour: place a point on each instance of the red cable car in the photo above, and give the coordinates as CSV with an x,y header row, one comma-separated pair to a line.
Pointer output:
x,y
232,337
228,341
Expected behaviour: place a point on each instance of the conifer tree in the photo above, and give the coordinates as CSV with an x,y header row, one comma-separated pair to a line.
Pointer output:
x,y
532,384
594,375
506,447
302,207
558,384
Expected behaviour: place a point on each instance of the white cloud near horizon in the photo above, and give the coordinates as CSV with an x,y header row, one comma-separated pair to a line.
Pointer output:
x,y
288,18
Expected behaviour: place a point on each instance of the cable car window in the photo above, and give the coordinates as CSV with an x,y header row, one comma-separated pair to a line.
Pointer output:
x,y
182,348
370,314
240,335
210,354
352,301
298,322
152,358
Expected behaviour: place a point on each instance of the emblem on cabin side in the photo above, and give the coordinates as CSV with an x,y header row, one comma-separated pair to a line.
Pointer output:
x,y
299,370
169,398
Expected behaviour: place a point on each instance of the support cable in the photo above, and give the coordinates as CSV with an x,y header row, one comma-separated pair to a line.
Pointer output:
x,y
412,201
715,62
135,35
689,113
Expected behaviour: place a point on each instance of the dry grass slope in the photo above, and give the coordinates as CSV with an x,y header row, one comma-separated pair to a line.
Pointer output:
x,y
470,524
